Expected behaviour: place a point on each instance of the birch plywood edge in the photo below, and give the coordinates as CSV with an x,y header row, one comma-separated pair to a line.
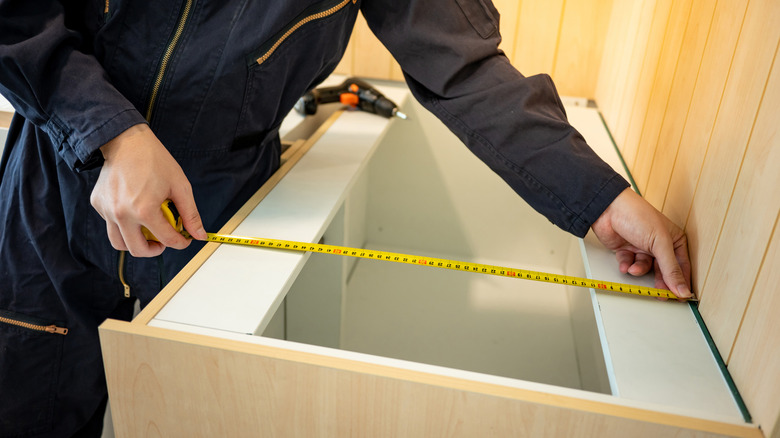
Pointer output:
x,y
183,384
291,157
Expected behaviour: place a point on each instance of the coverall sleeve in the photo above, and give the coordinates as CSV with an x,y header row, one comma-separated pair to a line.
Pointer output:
x,y
448,50
50,77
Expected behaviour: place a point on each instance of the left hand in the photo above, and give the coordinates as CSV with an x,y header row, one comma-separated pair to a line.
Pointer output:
x,y
642,237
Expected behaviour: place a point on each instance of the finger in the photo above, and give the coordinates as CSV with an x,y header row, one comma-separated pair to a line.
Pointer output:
x,y
115,237
137,244
659,279
681,253
164,232
670,269
625,259
188,211
642,264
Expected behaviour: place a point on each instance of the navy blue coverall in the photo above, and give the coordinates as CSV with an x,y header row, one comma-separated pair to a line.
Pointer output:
x,y
214,79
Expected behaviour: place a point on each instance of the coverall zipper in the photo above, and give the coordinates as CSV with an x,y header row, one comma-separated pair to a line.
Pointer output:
x,y
266,51
122,257
185,13
167,57
51,328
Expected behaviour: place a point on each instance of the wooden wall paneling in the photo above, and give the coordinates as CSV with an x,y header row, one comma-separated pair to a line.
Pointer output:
x,y
707,94
644,84
756,358
396,73
621,37
537,35
580,47
745,86
345,65
661,91
679,102
751,217
371,59
634,64
614,46
509,11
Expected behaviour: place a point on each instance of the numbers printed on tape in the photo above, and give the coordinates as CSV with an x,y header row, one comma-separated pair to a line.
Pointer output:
x,y
444,264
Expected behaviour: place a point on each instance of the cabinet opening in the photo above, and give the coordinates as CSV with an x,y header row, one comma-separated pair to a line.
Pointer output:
x,y
424,193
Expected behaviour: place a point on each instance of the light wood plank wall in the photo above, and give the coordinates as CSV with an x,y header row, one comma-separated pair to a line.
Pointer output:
x,y
563,39
691,92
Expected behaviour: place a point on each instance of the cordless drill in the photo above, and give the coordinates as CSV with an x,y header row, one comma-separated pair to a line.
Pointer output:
x,y
353,92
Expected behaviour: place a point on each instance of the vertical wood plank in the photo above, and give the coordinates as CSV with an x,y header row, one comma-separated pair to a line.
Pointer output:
x,y
634,64
683,84
510,12
534,38
396,73
644,86
371,59
745,86
756,359
537,36
345,65
661,91
613,73
751,217
707,95
580,47
614,46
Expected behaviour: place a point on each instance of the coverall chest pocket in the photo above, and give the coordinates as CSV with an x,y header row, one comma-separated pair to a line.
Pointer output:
x,y
285,66
30,356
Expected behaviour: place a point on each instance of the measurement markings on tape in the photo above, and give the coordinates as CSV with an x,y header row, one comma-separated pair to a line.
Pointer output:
x,y
444,264
175,220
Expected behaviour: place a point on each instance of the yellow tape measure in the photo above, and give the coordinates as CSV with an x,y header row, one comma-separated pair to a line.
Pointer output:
x,y
432,262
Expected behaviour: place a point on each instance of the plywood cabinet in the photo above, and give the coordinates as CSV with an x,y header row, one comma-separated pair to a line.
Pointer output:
x,y
260,342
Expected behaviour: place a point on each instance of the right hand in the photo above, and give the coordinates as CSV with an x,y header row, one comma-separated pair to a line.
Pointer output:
x,y
643,238
137,176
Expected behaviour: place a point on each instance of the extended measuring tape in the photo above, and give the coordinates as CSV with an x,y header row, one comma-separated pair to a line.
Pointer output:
x,y
432,262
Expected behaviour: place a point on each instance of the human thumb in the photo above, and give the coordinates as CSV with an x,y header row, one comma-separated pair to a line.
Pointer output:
x,y
671,272
190,216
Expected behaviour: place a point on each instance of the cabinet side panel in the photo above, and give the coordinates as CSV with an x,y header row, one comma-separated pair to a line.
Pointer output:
x,y
179,384
590,355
